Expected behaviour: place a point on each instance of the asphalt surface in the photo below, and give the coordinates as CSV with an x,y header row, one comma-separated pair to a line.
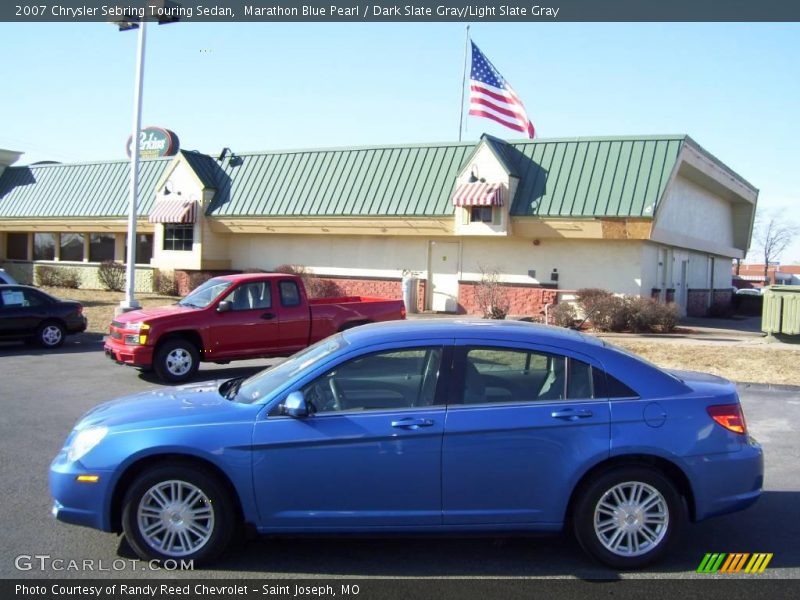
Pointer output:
x,y
44,393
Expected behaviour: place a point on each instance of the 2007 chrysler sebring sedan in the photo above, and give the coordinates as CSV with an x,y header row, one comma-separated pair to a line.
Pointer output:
x,y
418,427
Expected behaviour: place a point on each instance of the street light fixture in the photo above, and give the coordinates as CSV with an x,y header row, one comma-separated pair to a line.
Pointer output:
x,y
135,22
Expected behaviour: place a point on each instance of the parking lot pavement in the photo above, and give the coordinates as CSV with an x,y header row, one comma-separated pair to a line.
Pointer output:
x,y
44,393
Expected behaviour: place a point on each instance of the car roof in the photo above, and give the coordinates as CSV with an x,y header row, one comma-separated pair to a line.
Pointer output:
x,y
394,331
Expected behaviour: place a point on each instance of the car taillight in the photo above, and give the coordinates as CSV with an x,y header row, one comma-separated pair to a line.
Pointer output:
x,y
403,313
730,416
80,309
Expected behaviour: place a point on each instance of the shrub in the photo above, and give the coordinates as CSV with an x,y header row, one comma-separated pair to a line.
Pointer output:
x,y
47,276
315,287
564,315
667,317
70,278
112,275
164,283
490,296
608,313
198,278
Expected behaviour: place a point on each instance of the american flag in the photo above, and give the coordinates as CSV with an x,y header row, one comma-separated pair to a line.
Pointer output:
x,y
490,96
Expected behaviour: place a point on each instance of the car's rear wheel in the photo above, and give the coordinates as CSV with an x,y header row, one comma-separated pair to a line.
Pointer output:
x,y
627,517
176,360
177,512
50,334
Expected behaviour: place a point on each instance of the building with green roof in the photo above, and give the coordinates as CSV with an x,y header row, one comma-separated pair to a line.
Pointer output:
x,y
647,215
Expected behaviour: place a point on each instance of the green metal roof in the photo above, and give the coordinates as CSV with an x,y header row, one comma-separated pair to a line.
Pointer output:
x,y
576,177
592,177
375,181
98,190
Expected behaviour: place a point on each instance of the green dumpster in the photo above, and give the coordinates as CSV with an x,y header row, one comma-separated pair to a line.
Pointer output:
x,y
781,313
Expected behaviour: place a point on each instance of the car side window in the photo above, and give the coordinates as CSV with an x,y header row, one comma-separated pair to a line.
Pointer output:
x,y
251,296
579,380
608,386
290,293
496,375
20,298
393,379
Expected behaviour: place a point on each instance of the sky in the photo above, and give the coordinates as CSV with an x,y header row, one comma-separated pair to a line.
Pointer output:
x,y
733,87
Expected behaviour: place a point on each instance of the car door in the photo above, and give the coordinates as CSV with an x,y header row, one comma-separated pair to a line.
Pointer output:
x,y
295,321
21,311
370,454
522,427
251,325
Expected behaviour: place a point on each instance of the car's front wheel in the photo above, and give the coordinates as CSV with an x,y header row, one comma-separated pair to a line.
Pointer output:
x,y
627,517
177,512
176,360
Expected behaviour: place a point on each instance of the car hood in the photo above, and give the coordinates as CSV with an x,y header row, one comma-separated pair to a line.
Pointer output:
x,y
149,314
193,404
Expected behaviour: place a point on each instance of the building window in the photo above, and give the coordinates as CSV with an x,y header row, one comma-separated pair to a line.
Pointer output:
x,y
178,237
17,246
101,247
480,214
71,246
44,246
144,248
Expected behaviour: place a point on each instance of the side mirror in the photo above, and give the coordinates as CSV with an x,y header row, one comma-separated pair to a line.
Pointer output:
x,y
224,306
295,405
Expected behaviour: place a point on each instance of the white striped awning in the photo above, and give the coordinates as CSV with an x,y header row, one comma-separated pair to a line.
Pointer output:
x,y
478,194
173,211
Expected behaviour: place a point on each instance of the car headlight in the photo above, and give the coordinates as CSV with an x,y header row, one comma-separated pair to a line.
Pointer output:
x,y
84,441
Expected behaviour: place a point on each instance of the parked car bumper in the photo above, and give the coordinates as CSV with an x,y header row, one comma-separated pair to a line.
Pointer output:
x,y
77,325
137,356
76,502
726,482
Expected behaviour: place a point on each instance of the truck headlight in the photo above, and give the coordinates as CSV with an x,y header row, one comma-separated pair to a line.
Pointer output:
x,y
134,339
84,441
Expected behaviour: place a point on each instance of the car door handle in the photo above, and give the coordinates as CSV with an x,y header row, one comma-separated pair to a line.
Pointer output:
x,y
569,414
412,423
268,316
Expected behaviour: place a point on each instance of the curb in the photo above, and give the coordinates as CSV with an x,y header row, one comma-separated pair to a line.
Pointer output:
x,y
768,387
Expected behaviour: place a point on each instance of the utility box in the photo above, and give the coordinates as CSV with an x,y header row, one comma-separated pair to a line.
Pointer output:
x,y
781,313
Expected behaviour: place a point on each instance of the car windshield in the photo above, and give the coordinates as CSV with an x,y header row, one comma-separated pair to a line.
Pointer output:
x,y
206,293
259,385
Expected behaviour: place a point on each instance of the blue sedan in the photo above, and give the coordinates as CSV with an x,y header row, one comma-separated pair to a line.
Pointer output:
x,y
418,427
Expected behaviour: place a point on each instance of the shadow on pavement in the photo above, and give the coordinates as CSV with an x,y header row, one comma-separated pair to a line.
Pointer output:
x,y
772,525
73,344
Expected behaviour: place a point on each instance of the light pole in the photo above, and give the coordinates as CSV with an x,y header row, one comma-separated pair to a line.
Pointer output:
x,y
130,303
170,15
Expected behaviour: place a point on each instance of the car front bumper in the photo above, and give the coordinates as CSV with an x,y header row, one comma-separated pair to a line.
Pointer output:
x,y
727,482
76,502
137,356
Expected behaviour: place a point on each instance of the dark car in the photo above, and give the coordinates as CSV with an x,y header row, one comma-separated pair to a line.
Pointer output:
x,y
29,314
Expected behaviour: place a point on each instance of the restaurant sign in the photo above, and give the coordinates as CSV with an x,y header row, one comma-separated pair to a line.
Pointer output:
x,y
155,142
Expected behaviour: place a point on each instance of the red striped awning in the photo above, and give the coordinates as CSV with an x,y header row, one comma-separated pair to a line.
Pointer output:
x,y
478,194
173,211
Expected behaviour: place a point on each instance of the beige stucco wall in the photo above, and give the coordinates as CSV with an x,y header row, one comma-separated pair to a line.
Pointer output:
x,y
692,217
356,256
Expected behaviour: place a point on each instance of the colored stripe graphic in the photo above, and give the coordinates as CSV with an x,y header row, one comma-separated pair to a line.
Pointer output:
x,y
721,562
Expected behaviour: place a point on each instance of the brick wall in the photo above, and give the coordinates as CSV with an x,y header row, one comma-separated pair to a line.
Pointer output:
x,y
522,300
187,280
384,288
722,298
697,302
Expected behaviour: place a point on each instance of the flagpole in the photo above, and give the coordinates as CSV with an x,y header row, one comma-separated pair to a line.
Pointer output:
x,y
463,85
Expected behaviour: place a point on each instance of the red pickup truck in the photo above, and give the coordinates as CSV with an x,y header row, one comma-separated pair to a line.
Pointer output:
x,y
236,317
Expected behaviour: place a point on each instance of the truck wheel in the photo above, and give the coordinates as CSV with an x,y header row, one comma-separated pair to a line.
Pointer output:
x,y
176,360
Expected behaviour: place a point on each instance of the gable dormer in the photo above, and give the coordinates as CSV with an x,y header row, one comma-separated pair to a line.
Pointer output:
x,y
484,191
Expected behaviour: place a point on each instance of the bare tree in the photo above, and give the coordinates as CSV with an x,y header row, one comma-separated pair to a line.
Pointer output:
x,y
773,237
